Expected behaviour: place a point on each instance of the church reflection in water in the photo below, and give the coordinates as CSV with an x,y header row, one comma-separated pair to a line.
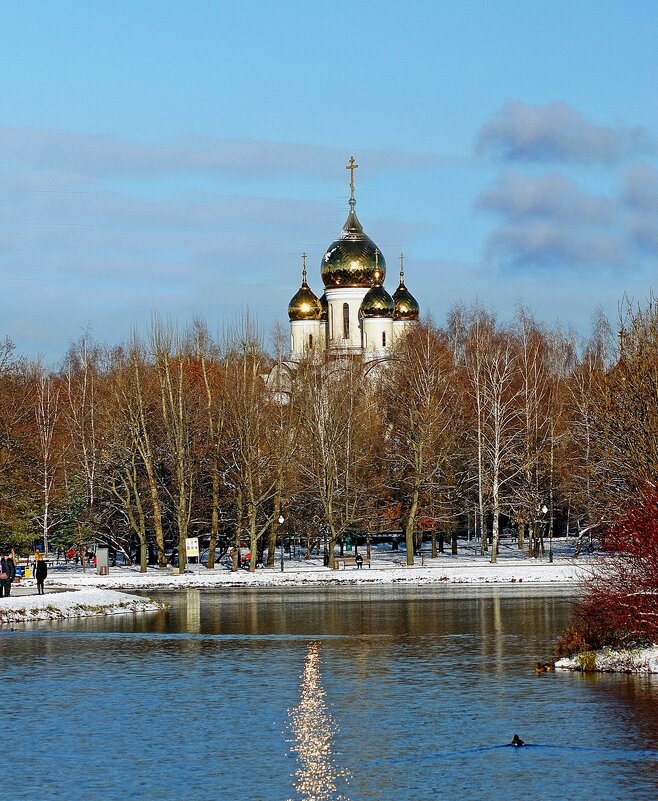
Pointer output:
x,y
313,732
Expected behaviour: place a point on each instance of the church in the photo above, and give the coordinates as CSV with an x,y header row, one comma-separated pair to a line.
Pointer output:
x,y
355,315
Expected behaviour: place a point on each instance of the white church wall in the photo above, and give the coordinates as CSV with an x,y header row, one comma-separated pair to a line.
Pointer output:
x,y
306,335
378,335
337,299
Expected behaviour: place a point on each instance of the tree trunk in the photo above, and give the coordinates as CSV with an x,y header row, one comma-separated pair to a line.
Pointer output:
x,y
253,537
274,528
410,525
235,556
495,526
214,515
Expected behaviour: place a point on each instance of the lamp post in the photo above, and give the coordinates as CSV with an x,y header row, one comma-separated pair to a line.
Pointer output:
x,y
544,511
281,521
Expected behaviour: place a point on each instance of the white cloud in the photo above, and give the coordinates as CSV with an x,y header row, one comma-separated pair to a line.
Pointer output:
x,y
550,245
550,196
641,187
556,132
98,155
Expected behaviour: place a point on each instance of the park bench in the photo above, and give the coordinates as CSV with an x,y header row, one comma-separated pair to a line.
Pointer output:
x,y
350,560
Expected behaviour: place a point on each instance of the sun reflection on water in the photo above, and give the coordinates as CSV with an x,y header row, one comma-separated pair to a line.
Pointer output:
x,y
313,732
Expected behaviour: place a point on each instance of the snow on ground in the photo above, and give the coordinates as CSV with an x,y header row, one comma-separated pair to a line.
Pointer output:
x,y
387,567
72,591
610,660
84,603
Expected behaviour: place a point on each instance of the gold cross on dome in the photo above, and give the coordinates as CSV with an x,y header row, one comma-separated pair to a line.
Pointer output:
x,y
304,267
351,167
401,265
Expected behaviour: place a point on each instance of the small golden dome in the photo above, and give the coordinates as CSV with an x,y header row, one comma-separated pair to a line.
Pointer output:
x,y
305,304
406,305
377,303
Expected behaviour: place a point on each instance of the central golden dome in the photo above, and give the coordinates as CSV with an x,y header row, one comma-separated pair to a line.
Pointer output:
x,y
350,261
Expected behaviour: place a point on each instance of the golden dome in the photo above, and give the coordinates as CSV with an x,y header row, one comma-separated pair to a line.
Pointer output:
x,y
305,304
377,302
406,305
350,259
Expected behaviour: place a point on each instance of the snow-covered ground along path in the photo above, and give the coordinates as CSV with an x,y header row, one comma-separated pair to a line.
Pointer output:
x,y
387,567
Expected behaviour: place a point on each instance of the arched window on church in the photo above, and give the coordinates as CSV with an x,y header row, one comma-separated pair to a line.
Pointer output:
x,y
383,339
310,341
346,321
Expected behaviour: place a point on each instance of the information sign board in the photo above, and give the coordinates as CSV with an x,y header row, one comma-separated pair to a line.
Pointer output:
x,y
192,546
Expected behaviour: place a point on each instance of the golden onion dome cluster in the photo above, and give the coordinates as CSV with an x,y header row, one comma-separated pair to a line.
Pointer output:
x,y
351,260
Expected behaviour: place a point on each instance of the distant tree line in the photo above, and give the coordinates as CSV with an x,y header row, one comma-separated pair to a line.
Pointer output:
x,y
473,426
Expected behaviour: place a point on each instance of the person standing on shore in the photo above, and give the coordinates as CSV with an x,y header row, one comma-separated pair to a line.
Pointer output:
x,y
3,576
40,573
7,574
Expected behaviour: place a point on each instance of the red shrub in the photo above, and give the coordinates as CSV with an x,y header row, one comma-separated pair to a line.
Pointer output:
x,y
621,601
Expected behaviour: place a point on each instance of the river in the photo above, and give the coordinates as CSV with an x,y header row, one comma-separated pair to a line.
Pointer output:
x,y
398,694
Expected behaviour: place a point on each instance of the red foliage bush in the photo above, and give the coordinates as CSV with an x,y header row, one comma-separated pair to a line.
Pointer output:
x,y
621,600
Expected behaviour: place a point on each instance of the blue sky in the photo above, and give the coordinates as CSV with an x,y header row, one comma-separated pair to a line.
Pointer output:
x,y
177,157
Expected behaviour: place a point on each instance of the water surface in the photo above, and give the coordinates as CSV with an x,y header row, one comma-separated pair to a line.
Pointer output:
x,y
341,693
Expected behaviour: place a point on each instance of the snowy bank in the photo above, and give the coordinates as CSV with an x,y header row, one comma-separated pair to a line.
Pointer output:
x,y
610,660
386,568
60,605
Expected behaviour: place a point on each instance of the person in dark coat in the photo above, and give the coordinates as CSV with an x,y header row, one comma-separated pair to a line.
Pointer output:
x,y
8,569
40,573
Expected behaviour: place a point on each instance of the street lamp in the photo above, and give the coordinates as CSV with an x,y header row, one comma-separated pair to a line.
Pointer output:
x,y
544,511
281,521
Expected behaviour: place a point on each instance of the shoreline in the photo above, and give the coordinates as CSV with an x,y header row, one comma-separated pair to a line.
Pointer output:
x,y
640,660
73,592
72,604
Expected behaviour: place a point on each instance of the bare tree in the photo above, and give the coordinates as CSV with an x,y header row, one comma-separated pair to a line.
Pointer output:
x,y
336,418
492,365
423,410
213,371
47,414
249,432
132,389
82,381
170,363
